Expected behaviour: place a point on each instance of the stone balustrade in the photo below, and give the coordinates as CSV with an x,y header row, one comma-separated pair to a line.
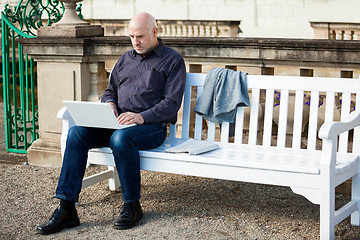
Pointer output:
x,y
177,28
336,31
187,28
76,68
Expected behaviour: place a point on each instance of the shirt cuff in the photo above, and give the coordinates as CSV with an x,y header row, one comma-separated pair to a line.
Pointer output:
x,y
148,116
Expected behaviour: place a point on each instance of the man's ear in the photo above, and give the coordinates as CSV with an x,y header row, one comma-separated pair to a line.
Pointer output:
x,y
155,31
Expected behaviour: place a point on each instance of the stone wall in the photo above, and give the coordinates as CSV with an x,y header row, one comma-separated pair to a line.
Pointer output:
x,y
76,69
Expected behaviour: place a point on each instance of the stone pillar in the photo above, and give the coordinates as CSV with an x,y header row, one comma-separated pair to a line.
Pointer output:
x,y
59,78
72,75
66,70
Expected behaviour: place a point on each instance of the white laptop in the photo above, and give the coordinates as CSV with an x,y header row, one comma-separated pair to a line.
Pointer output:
x,y
93,114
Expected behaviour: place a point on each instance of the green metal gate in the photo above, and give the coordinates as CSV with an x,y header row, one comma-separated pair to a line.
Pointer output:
x,y
19,70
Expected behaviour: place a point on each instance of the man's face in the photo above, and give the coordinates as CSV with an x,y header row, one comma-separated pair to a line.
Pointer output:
x,y
142,39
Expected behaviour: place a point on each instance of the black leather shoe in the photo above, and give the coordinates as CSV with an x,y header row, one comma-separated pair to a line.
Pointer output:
x,y
61,218
130,215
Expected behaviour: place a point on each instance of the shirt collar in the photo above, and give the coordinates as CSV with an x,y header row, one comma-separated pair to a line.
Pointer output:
x,y
158,49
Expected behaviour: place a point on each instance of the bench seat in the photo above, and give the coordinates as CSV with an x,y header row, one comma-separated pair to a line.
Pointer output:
x,y
245,156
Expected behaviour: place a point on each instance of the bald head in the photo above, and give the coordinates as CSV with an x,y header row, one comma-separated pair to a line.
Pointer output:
x,y
143,19
143,32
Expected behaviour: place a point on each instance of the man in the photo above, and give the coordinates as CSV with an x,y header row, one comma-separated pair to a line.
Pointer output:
x,y
146,88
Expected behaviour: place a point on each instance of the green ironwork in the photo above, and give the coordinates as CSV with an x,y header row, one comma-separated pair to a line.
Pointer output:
x,y
28,16
19,70
78,11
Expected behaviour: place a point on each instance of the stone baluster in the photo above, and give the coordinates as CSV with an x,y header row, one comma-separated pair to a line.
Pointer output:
x,y
196,30
332,34
214,31
347,35
160,30
98,80
339,35
173,30
190,30
201,31
184,31
207,31
178,30
356,35
168,30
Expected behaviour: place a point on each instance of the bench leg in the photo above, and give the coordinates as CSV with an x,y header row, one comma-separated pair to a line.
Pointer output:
x,y
355,196
327,214
114,182
96,178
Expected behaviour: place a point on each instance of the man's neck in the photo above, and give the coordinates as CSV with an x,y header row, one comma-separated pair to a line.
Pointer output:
x,y
148,52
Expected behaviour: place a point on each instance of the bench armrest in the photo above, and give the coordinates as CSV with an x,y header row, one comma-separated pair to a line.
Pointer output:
x,y
67,123
332,129
64,114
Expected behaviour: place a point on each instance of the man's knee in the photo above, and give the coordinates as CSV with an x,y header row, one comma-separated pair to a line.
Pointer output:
x,y
74,133
79,136
120,139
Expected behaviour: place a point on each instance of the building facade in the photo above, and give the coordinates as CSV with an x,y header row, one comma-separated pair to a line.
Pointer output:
x,y
259,18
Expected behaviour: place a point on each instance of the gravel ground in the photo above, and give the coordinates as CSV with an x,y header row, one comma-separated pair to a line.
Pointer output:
x,y
175,207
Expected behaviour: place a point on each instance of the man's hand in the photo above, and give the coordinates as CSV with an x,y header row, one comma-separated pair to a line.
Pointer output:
x,y
130,118
114,108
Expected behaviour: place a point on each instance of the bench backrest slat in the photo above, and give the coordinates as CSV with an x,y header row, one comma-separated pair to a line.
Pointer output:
x,y
198,118
268,119
304,104
356,138
211,131
313,120
239,125
283,115
225,129
172,130
345,111
298,119
186,112
330,106
254,115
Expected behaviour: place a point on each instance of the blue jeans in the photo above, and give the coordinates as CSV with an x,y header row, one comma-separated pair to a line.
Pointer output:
x,y
125,145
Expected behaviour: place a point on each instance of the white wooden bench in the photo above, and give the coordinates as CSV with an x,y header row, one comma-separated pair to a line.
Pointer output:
x,y
312,171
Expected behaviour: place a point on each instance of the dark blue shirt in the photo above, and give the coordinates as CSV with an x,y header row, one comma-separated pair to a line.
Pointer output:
x,y
152,85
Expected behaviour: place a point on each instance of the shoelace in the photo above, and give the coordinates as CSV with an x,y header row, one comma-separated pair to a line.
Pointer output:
x,y
125,208
54,213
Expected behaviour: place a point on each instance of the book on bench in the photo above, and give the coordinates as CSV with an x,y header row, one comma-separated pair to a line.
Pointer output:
x,y
193,147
